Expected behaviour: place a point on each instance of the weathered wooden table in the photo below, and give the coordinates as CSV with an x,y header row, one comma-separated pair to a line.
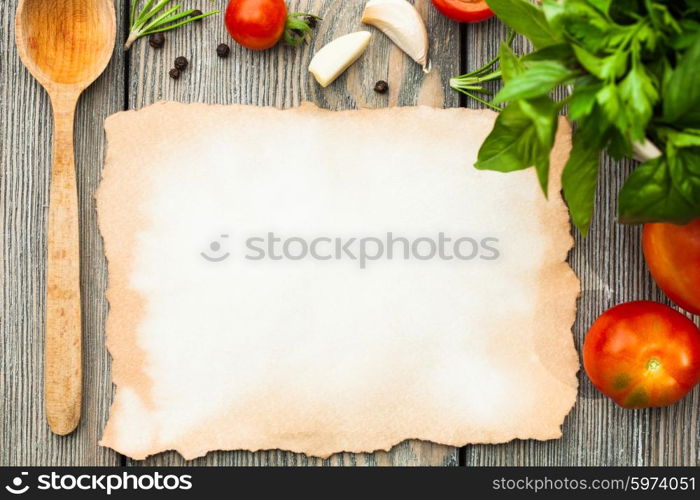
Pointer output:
x,y
609,261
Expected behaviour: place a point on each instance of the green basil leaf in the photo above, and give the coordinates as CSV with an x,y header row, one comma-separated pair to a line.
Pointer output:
x,y
681,102
522,137
605,68
558,52
587,33
684,167
687,35
579,181
509,63
601,5
526,19
539,79
688,138
578,20
618,144
614,110
609,101
662,19
649,195
502,149
589,61
543,113
639,96
582,100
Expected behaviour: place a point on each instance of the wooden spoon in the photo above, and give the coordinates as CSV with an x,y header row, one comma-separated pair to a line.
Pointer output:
x,y
65,45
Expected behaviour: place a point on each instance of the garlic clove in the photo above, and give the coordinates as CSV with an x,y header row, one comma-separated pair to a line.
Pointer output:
x,y
401,22
337,56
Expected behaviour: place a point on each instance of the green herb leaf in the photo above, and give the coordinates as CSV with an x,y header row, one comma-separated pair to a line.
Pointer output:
x,y
578,20
579,181
539,79
510,66
681,103
602,5
684,167
685,139
501,151
606,68
649,195
684,39
526,19
543,113
639,96
153,19
522,137
632,66
582,100
610,103
618,145
557,52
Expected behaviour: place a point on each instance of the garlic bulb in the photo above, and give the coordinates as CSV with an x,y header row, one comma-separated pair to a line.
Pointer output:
x,y
401,22
337,56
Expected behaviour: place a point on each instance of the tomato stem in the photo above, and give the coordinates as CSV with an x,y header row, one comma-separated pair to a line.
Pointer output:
x,y
299,28
654,364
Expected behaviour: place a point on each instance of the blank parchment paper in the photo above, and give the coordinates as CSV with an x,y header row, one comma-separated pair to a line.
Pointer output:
x,y
251,307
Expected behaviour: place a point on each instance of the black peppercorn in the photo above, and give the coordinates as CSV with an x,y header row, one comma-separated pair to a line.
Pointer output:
x,y
156,40
174,73
196,13
381,86
223,50
181,63
311,22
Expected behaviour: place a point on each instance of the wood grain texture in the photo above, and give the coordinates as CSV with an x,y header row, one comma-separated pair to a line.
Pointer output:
x,y
609,261
279,77
63,367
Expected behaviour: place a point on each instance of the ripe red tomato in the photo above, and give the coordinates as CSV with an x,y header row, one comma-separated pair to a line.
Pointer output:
x,y
256,24
464,11
673,256
643,354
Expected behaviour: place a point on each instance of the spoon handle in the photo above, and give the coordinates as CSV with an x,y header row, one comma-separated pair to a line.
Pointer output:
x,y
62,361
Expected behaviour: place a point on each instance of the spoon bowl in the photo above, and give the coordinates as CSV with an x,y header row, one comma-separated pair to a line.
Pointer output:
x,y
65,42
65,45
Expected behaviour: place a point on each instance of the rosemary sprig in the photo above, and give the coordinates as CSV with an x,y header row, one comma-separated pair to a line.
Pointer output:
x,y
473,81
156,18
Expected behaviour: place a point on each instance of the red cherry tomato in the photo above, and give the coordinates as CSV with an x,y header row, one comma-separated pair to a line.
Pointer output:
x,y
464,11
643,354
256,24
673,256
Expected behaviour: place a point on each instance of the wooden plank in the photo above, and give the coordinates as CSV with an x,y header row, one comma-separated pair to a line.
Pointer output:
x,y
25,156
279,77
612,270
